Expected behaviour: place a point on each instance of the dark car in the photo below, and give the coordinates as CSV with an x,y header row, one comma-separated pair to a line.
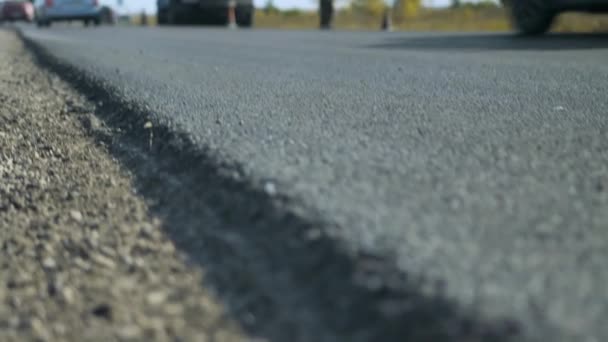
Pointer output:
x,y
16,11
531,17
218,12
107,15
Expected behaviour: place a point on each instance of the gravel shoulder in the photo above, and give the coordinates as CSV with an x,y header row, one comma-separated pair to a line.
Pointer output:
x,y
81,256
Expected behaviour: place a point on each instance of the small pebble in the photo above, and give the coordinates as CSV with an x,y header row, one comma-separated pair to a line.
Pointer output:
x,y
173,309
270,188
103,261
76,215
39,329
59,329
129,332
49,263
156,297
67,294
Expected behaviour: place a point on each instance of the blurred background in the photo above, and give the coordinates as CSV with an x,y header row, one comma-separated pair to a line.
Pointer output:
x,y
422,15
390,15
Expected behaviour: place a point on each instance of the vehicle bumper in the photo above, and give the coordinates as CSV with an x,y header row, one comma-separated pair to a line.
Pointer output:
x,y
572,5
15,15
582,5
210,10
60,15
213,3
209,5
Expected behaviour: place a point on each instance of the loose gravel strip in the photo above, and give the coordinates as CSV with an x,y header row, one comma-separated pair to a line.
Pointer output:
x,y
81,258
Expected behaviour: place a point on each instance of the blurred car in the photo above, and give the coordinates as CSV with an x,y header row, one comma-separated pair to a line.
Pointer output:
x,y
48,11
532,17
17,10
176,12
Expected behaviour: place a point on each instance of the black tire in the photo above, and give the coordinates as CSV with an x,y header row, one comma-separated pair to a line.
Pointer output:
x,y
531,17
97,21
86,22
244,18
173,15
161,17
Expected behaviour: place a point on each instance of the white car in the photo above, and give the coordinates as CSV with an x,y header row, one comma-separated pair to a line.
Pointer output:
x,y
48,11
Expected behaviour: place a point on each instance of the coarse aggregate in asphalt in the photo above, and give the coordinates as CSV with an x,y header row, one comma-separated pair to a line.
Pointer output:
x,y
477,163
81,257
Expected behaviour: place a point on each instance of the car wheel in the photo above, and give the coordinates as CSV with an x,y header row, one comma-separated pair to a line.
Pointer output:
x,y
173,17
531,17
86,22
97,21
244,18
161,17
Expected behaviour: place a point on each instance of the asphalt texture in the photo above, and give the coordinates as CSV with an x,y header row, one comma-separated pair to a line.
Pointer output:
x,y
475,165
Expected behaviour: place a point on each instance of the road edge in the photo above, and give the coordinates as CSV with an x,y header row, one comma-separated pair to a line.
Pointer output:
x,y
394,310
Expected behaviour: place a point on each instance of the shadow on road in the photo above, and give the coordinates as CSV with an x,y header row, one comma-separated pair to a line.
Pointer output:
x,y
557,41
276,272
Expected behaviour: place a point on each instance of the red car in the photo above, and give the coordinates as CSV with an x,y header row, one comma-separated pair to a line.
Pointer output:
x,y
15,10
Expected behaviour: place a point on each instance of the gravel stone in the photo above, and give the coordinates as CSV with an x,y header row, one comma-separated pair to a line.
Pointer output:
x,y
49,263
74,265
156,298
76,215
129,332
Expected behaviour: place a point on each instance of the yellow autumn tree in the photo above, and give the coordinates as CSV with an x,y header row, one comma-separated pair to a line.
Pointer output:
x,y
404,9
368,7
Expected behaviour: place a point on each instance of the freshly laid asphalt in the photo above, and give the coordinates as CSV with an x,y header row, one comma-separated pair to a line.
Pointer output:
x,y
476,162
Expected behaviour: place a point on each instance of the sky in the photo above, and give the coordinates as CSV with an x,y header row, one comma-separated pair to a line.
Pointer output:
x,y
136,6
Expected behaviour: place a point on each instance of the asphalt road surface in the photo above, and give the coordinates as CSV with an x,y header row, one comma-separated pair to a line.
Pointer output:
x,y
475,165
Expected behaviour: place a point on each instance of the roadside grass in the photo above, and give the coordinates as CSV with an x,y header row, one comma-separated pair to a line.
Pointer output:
x,y
466,18
581,22
136,20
